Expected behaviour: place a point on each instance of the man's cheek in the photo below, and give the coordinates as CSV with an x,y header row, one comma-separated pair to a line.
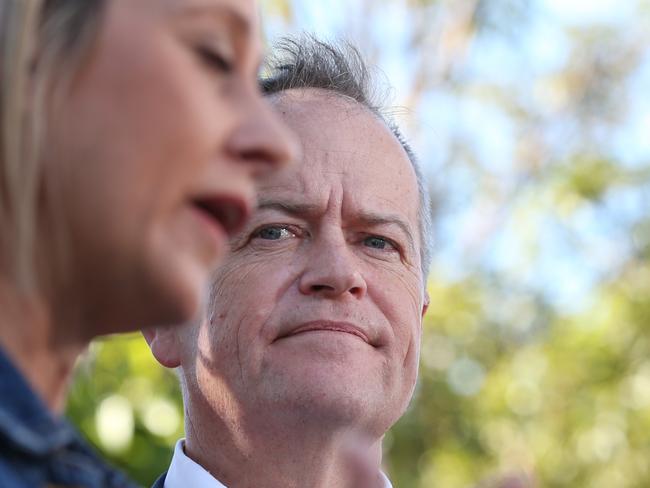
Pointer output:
x,y
409,345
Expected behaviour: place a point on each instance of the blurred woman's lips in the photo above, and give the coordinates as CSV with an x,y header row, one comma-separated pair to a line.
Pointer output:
x,y
228,212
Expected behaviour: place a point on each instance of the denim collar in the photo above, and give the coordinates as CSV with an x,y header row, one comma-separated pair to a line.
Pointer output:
x,y
25,421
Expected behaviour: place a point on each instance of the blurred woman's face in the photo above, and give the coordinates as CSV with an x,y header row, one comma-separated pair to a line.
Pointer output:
x,y
152,156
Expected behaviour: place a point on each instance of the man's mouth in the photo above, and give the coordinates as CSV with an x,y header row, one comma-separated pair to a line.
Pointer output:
x,y
227,211
327,326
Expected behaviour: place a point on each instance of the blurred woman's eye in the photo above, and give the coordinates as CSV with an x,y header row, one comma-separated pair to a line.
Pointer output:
x,y
274,233
213,59
379,243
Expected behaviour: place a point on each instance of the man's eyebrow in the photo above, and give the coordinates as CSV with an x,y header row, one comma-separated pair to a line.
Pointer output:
x,y
375,219
290,208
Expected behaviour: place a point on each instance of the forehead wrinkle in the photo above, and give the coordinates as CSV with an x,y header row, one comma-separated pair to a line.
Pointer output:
x,y
284,184
364,212
343,199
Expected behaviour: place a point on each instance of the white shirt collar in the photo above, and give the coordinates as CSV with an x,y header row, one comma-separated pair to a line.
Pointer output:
x,y
184,472
387,483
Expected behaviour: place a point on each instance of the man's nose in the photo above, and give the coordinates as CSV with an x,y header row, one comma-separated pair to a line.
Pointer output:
x,y
261,140
333,271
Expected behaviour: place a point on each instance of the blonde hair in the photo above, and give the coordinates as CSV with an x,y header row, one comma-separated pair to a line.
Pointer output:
x,y
41,43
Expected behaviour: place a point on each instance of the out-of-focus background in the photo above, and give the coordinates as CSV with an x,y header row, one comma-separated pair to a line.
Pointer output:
x,y
532,120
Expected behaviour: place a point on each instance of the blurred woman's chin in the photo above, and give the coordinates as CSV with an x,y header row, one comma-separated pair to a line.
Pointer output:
x,y
183,298
172,297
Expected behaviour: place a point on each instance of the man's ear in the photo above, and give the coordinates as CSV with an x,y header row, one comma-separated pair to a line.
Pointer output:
x,y
164,345
425,305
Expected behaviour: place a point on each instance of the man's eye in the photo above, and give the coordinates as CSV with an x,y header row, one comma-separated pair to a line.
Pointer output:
x,y
274,233
213,59
376,242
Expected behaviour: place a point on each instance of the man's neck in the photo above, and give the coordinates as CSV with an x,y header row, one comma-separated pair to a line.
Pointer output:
x,y
29,336
244,455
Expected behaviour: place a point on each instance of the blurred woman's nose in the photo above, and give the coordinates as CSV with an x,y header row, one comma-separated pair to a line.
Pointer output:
x,y
262,140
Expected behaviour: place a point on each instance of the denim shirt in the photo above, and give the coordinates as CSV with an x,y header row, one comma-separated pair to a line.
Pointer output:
x,y
38,449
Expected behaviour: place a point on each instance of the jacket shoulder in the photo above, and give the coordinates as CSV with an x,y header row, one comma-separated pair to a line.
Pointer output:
x,y
160,482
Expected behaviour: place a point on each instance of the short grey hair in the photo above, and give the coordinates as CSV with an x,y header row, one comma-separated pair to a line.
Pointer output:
x,y
306,62
41,45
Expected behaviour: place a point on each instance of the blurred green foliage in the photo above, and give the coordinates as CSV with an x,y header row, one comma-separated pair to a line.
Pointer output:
x,y
568,403
128,406
516,379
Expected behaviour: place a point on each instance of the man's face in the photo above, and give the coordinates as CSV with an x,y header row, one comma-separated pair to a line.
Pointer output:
x,y
317,310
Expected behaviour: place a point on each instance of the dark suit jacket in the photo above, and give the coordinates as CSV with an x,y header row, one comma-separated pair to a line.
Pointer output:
x,y
160,482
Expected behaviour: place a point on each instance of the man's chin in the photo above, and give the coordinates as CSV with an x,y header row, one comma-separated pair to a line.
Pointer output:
x,y
336,409
332,396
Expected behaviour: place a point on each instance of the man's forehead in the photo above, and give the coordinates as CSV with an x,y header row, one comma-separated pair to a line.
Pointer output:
x,y
319,187
331,126
318,105
344,180
348,153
